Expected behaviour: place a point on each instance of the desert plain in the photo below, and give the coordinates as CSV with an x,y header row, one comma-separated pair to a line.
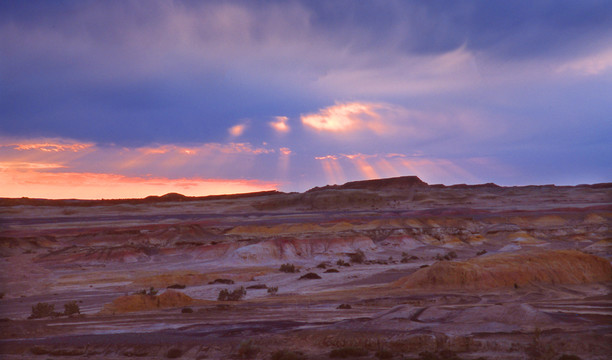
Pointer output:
x,y
391,268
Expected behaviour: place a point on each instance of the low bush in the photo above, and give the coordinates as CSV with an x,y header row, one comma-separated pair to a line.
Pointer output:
x,y
310,276
176,286
71,308
256,287
237,294
384,354
39,350
569,357
186,310
288,268
481,252
344,306
246,350
357,257
331,271
174,353
322,265
341,262
42,310
449,256
151,292
346,352
222,281
272,290
287,355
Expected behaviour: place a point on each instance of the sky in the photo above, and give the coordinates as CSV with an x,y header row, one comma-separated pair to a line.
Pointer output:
x,y
116,99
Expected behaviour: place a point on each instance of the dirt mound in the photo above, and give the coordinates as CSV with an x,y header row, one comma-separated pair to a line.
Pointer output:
x,y
142,302
506,270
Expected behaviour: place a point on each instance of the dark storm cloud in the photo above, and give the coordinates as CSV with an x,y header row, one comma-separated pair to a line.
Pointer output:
x,y
501,28
104,70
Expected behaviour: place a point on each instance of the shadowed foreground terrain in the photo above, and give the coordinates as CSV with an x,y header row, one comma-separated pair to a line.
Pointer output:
x,y
390,268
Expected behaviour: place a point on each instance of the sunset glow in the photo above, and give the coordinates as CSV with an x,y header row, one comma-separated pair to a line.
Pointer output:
x,y
50,185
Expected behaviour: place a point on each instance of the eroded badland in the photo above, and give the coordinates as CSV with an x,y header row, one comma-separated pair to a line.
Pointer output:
x,y
404,270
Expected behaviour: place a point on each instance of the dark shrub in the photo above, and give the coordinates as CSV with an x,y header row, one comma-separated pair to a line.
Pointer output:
x,y
71,308
331,271
448,355
273,290
42,310
341,262
344,306
322,265
176,286
39,350
346,352
186,310
246,350
481,252
569,357
357,257
222,281
174,353
310,276
426,355
288,268
450,255
1,295
384,354
423,266
258,286
226,295
287,355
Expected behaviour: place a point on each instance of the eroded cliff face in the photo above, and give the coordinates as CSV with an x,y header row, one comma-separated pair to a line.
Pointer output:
x,y
472,269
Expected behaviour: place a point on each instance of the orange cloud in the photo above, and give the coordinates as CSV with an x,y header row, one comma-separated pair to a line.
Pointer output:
x,y
346,117
52,147
237,130
280,124
28,166
68,185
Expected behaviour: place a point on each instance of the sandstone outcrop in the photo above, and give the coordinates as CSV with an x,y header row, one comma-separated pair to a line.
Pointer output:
x,y
515,269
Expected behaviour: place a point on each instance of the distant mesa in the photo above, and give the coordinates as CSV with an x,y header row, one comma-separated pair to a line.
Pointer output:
x,y
168,197
400,182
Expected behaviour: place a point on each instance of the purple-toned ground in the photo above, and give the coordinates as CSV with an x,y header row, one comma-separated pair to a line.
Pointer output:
x,y
462,272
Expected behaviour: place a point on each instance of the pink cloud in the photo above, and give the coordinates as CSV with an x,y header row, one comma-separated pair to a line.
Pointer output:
x,y
50,146
280,124
237,130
